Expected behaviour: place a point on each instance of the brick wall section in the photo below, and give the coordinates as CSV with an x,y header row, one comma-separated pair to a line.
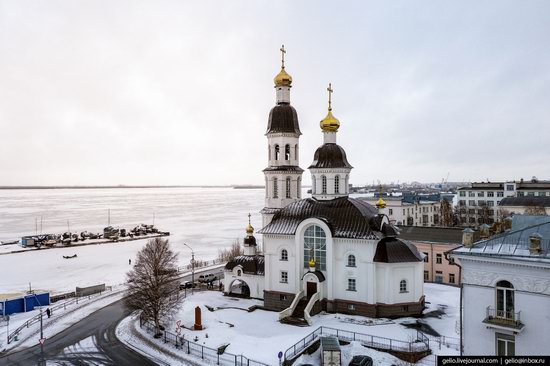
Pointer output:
x,y
378,310
273,301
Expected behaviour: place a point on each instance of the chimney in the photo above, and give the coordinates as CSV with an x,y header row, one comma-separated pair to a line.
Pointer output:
x,y
535,240
468,237
484,231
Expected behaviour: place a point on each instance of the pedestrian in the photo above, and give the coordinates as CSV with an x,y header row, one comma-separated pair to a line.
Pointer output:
x,y
48,312
221,286
129,262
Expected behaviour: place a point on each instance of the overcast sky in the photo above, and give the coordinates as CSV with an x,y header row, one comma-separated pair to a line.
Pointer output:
x,y
178,92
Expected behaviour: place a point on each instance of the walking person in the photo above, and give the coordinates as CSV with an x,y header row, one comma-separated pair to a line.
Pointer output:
x,y
48,312
129,262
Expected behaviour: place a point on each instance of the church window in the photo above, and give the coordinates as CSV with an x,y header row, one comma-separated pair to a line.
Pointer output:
x,y
269,152
288,187
284,277
284,255
239,272
337,184
275,188
403,286
296,152
315,247
287,152
298,188
276,152
351,261
313,185
352,284
324,184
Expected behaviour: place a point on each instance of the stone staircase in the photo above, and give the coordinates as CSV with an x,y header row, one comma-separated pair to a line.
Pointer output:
x,y
297,317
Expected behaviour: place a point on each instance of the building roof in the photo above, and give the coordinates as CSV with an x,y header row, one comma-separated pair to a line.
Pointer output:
x,y
523,221
483,186
320,276
330,155
513,244
346,217
251,264
526,201
434,234
283,168
394,250
283,118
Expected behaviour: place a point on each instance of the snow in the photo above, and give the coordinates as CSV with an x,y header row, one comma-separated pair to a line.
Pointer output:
x,y
259,335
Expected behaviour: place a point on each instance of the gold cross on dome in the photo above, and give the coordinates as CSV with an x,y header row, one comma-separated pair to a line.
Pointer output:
x,y
283,51
330,91
249,218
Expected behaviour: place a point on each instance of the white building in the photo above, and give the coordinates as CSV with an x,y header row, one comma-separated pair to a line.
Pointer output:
x,y
506,293
329,252
419,213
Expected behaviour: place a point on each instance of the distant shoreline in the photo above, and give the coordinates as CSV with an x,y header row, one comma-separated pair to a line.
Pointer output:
x,y
123,186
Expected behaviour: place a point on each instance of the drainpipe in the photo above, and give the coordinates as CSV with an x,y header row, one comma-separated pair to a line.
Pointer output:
x,y
460,299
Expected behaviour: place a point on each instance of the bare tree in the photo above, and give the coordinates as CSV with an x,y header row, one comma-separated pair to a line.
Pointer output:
x,y
447,214
153,281
533,209
225,255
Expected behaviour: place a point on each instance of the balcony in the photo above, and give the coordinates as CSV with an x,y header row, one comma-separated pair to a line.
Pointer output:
x,y
504,320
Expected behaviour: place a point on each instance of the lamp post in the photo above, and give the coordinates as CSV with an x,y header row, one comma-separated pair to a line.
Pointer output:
x,y
192,268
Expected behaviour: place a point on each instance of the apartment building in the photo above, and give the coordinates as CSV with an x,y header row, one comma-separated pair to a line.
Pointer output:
x,y
419,213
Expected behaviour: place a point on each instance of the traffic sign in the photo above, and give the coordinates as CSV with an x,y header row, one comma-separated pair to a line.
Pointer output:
x,y
42,340
280,355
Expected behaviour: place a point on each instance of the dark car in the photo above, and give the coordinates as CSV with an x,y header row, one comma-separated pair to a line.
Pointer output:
x,y
361,360
187,284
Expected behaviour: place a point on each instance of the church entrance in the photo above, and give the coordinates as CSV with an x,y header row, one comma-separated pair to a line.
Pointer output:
x,y
311,289
239,288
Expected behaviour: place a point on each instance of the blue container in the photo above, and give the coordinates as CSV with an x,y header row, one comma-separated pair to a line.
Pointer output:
x,y
25,303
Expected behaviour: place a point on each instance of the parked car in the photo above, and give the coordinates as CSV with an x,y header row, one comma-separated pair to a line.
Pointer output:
x,y
187,284
361,360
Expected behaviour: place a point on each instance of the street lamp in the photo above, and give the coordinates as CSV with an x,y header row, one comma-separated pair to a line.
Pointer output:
x,y
192,268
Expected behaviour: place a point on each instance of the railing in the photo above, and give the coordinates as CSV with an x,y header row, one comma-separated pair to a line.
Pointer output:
x,y
288,311
421,344
450,342
200,264
54,308
207,354
502,317
309,306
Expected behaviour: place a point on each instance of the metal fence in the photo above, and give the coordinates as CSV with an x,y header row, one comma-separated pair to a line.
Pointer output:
x,y
422,343
53,309
208,354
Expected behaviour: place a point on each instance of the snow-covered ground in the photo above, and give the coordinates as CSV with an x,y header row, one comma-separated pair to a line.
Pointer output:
x,y
260,336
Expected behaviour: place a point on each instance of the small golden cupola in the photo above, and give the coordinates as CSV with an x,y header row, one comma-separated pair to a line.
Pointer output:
x,y
283,78
330,123
249,240
380,203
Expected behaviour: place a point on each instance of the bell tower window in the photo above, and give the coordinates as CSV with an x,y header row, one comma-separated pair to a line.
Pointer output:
x,y
324,184
337,184
296,153
298,188
275,188
287,152
277,152
288,187
313,184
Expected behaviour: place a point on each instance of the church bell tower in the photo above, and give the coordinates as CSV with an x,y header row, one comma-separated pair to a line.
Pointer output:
x,y
283,176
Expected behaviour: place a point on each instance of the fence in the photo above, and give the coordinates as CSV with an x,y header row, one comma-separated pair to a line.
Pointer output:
x,y
205,353
421,344
36,318
451,342
200,264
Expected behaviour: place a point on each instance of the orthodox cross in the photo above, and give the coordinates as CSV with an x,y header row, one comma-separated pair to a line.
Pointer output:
x,y
283,51
330,90
249,218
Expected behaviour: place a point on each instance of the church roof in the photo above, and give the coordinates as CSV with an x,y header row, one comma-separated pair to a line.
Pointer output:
x,y
283,118
330,155
394,250
283,168
251,264
346,217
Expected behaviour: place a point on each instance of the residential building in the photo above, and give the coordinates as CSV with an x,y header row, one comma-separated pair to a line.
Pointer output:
x,y
531,205
400,212
506,292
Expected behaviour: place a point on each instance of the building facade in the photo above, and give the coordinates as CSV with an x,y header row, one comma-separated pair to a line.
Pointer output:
x,y
506,293
400,212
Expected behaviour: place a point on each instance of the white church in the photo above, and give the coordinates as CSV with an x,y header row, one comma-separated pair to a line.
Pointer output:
x,y
329,252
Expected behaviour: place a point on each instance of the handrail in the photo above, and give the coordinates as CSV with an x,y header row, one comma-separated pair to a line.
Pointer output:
x,y
503,316
309,306
288,311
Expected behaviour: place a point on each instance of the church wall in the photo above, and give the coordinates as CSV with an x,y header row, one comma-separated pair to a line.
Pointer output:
x,y
254,282
274,265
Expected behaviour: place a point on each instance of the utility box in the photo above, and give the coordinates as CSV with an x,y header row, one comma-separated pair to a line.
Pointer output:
x,y
331,355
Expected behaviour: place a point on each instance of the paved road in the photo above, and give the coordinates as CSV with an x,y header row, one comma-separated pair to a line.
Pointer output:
x,y
91,341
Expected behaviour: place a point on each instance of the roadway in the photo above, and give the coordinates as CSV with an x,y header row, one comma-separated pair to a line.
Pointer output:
x,y
90,341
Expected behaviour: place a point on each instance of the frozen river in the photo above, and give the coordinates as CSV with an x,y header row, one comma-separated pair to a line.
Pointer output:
x,y
205,218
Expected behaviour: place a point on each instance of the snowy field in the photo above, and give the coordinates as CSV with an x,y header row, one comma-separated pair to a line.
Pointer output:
x,y
259,335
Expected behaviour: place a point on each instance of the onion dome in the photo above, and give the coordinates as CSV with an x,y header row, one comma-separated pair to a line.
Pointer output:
x,y
381,203
249,240
283,78
330,156
330,123
283,119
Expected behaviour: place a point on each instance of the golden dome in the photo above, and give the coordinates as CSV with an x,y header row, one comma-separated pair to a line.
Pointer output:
x,y
283,78
330,123
381,203
249,229
311,263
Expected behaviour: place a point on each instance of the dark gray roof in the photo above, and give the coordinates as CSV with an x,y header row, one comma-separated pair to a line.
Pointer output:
x,y
283,118
330,156
269,210
320,276
283,168
526,201
450,235
523,221
394,250
251,264
249,240
346,217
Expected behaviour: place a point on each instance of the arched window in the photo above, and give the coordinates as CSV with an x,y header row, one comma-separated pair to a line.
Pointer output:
x,y
323,184
284,255
276,152
288,187
299,188
505,300
315,247
337,184
313,184
287,152
239,272
403,286
351,261
275,188
296,152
